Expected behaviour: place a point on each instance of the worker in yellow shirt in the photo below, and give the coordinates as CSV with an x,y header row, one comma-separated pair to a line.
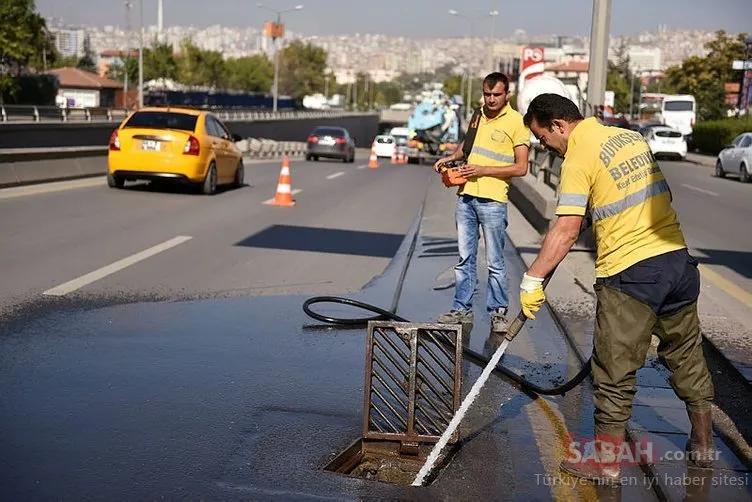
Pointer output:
x,y
497,152
646,281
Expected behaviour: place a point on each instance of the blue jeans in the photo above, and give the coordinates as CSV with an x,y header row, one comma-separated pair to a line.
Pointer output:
x,y
472,213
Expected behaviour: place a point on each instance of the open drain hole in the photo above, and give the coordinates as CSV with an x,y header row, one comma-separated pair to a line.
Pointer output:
x,y
382,460
412,390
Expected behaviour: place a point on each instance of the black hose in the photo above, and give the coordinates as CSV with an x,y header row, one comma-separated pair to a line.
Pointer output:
x,y
473,356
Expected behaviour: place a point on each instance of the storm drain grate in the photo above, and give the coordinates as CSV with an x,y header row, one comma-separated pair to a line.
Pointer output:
x,y
413,380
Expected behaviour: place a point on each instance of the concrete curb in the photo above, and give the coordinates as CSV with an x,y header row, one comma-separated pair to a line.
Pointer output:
x,y
700,159
536,200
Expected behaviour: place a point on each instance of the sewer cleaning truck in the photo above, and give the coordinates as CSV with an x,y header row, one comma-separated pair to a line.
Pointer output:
x,y
434,128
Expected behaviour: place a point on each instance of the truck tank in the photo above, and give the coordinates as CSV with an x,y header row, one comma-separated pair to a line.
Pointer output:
x,y
542,84
434,127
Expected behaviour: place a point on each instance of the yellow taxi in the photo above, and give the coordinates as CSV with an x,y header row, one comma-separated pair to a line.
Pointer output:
x,y
174,144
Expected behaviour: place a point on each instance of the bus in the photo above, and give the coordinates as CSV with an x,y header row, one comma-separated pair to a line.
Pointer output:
x,y
673,110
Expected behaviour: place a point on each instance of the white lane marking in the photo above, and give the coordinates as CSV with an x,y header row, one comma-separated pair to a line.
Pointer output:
x,y
699,189
335,175
294,192
363,166
82,281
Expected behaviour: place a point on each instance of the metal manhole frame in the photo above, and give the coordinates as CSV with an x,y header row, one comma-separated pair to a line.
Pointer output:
x,y
411,329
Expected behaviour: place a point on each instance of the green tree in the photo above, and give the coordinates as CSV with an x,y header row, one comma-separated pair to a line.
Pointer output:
x,y
189,63
414,82
388,93
453,85
47,55
213,70
129,66
620,80
619,83
64,62
250,74
705,77
302,69
23,36
159,62
197,67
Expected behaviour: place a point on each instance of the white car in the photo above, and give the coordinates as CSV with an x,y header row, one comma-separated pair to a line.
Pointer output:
x,y
736,158
666,141
384,145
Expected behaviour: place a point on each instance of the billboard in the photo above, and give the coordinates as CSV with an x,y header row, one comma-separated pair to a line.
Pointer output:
x,y
745,99
274,30
532,64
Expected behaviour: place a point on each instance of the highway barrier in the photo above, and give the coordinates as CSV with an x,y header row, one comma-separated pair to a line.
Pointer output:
x,y
40,165
283,126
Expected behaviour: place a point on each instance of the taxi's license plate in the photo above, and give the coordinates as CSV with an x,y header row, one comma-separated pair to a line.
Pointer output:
x,y
150,145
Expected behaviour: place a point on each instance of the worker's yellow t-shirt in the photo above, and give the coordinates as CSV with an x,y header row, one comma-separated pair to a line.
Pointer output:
x,y
612,173
494,146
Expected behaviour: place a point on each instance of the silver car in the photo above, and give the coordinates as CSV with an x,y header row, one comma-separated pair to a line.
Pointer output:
x,y
736,158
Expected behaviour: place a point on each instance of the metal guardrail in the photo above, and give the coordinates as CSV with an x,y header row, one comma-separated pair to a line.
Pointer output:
x,y
545,166
27,113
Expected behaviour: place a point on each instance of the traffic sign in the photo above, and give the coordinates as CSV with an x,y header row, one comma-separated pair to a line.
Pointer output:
x,y
741,65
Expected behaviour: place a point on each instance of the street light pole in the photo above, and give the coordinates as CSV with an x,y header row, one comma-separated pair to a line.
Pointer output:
x,y
639,95
276,50
128,7
598,66
141,58
276,68
631,95
491,14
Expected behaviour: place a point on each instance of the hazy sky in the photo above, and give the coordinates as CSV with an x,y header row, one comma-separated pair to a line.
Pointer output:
x,y
418,18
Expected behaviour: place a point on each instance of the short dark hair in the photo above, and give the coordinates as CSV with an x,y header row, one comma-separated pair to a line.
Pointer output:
x,y
545,108
494,78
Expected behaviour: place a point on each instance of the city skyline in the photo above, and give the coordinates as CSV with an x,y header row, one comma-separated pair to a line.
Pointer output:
x,y
418,19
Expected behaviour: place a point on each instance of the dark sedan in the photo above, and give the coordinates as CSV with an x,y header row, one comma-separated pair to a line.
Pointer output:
x,y
332,143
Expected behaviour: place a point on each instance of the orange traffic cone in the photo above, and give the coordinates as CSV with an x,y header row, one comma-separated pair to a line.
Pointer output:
x,y
283,197
373,161
395,157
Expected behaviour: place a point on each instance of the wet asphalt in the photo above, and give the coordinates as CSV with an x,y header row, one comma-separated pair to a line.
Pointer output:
x,y
248,398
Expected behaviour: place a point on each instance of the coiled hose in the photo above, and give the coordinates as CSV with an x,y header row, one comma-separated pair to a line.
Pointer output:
x,y
471,355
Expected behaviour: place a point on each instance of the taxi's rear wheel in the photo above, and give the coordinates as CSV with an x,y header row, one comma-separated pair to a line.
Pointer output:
x,y
239,175
114,181
210,181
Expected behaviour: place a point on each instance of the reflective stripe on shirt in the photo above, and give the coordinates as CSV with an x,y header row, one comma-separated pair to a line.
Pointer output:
x,y
630,200
479,150
573,199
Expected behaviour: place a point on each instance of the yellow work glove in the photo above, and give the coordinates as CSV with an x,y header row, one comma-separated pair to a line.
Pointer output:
x,y
532,296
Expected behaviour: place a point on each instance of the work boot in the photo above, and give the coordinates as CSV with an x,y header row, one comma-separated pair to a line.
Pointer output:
x,y
455,316
499,323
605,469
700,444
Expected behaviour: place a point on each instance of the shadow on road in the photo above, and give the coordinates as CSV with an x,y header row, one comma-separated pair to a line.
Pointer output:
x,y
738,261
325,240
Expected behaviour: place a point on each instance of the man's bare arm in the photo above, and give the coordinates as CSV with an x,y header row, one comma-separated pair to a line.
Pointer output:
x,y
457,154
